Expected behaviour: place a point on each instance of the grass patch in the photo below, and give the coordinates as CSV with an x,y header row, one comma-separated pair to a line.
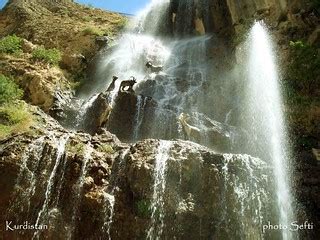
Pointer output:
x,y
76,148
10,44
9,90
51,56
92,31
86,18
14,118
303,74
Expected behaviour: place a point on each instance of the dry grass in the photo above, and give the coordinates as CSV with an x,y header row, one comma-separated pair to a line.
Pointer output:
x,y
14,118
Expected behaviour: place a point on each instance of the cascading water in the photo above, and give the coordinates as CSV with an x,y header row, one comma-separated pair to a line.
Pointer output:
x,y
157,206
79,186
247,194
21,202
266,118
43,213
109,198
141,103
183,87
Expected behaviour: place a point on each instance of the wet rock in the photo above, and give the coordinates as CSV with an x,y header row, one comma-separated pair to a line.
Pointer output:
x,y
98,114
102,41
88,183
195,179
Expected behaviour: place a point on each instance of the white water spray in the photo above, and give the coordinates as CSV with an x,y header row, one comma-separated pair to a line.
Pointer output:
x,y
48,194
157,206
110,198
141,103
267,123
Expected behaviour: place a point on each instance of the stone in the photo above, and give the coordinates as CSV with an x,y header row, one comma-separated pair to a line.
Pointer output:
x,y
314,38
27,47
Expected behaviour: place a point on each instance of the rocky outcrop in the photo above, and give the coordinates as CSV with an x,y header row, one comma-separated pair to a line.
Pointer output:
x,y
136,117
44,85
73,27
48,173
88,187
183,204
98,114
306,185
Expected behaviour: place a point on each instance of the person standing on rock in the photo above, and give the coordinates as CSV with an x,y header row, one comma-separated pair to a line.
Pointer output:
x,y
112,84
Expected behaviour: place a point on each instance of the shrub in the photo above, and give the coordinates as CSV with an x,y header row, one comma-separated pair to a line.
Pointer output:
x,y
92,31
304,69
9,90
14,118
10,44
51,56
106,148
76,148
86,18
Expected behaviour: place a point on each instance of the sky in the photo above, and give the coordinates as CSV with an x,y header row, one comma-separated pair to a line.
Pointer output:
x,y
123,6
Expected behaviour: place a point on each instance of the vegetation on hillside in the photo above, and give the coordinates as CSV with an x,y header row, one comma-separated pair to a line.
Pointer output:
x,y
9,90
10,44
304,69
14,116
50,56
302,84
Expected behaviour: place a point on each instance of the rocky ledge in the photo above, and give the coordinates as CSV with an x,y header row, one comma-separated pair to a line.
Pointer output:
x,y
93,186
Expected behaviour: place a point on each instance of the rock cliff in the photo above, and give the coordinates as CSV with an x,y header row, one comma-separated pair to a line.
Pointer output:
x,y
91,186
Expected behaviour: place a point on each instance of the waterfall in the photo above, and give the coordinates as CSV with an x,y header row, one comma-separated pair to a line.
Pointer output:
x,y
266,118
79,186
21,201
110,202
157,205
246,191
85,105
109,197
43,213
141,103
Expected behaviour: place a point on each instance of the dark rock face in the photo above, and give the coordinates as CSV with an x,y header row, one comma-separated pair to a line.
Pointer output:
x,y
196,193
48,177
135,117
138,117
306,185
98,114
86,187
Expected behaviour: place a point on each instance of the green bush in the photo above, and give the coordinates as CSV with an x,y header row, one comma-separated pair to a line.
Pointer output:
x,y
92,31
14,118
51,56
9,90
10,44
106,148
76,148
304,69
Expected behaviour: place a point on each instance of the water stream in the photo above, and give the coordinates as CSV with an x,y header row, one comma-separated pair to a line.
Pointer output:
x,y
43,213
157,205
267,121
